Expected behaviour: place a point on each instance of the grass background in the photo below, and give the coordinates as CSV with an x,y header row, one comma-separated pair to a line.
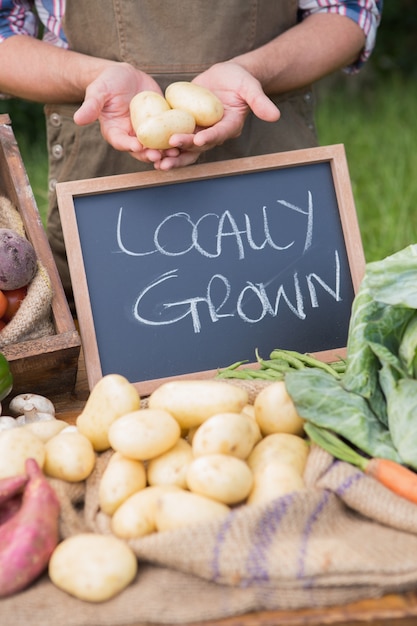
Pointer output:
x,y
376,121
377,124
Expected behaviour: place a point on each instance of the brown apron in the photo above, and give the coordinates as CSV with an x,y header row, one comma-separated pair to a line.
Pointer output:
x,y
171,40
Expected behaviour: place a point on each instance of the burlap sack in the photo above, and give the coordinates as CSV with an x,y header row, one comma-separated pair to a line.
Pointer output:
x,y
33,319
345,538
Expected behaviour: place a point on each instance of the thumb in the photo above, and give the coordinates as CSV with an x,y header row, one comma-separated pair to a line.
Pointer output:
x,y
260,104
88,112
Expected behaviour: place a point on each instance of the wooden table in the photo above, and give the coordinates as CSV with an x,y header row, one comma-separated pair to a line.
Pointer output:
x,y
391,610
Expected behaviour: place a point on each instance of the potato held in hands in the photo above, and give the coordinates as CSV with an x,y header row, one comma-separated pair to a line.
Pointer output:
x,y
154,121
146,104
204,106
186,105
155,131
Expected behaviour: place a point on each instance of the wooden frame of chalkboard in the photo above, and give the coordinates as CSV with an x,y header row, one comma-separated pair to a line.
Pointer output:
x,y
179,274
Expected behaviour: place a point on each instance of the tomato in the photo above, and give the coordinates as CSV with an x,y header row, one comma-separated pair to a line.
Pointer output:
x,y
15,298
3,304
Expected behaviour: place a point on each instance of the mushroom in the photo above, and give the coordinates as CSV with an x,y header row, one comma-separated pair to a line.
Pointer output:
x,y
31,403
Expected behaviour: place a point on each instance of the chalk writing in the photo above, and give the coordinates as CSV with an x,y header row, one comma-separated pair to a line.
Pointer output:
x,y
190,306
225,227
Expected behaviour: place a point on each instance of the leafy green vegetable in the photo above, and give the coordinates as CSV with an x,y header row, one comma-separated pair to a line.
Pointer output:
x,y
393,280
401,395
408,347
360,375
379,331
375,334
322,400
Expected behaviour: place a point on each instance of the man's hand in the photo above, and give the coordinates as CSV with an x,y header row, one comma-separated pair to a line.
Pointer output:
x,y
239,92
107,100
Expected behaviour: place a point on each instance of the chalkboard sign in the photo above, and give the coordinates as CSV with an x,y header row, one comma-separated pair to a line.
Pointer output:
x,y
181,273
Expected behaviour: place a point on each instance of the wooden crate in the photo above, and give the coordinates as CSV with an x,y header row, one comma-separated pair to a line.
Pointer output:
x,y
47,366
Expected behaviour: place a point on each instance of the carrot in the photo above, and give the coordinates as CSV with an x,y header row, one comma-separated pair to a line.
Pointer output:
x,y
396,477
399,479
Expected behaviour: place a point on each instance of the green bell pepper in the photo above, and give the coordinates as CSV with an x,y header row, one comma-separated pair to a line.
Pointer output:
x,y
6,378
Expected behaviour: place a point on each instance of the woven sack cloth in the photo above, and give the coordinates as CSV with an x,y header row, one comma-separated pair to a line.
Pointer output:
x,y
343,539
33,319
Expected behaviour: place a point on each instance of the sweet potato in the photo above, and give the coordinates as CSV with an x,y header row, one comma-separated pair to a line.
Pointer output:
x,y
10,486
18,260
11,490
29,537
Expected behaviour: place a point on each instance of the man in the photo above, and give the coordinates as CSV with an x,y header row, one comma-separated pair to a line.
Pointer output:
x,y
259,57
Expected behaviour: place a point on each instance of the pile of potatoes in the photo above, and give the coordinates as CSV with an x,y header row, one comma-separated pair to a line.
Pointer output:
x,y
156,118
196,450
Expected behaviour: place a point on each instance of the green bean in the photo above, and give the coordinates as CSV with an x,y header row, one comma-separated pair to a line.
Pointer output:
x,y
234,366
305,359
264,374
338,366
233,374
279,363
293,358
248,374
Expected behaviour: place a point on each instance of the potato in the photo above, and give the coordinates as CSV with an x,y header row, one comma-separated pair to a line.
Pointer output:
x,y
179,508
69,456
170,468
46,429
249,409
204,106
283,447
146,104
92,567
274,480
110,398
135,517
121,478
191,402
275,411
16,446
156,131
144,434
226,433
221,477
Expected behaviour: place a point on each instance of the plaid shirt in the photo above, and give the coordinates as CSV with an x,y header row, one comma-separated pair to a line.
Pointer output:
x,y
17,17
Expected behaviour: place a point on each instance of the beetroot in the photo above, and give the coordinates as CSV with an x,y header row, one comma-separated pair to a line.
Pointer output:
x,y
18,261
